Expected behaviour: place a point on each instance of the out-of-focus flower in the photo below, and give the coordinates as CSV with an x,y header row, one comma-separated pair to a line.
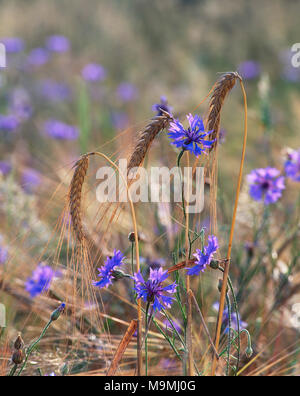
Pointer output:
x,y
152,291
292,165
266,185
155,263
234,321
20,104
203,259
5,168
191,139
31,179
58,43
54,91
289,73
127,92
40,280
249,69
3,252
13,44
120,120
8,123
168,364
168,326
106,272
60,131
222,135
163,105
94,72
38,57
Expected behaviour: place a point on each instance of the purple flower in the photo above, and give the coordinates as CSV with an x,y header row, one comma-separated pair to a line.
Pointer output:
x,y
191,139
13,44
292,165
54,91
40,280
152,291
20,104
234,321
94,72
3,252
31,179
5,167
38,57
127,92
8,123
203,259
266,185
249,69
163,105
58,44
168,326
60,131
120,120
106,272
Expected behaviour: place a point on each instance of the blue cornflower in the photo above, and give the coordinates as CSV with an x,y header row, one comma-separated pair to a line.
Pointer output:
x,y
292,165
5,167
93,72
58,43
3,252
203,259
127,92
234,322
60,131
266,185
38,57
163,105
8,123
40,280
54,91
106,272
249,69
31,180
13,44
191,139
152,291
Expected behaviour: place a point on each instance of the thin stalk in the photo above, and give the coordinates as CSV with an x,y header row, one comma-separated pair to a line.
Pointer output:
x,y
229,335
33,346
227,263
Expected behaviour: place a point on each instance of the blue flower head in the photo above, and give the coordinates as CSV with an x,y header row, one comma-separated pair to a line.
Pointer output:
x,y
162,106
234,321
292,165
266,185
40,280
152,291
203,259
191,139
106,271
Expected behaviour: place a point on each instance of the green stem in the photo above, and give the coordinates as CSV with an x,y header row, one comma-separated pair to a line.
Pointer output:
x,y
32,346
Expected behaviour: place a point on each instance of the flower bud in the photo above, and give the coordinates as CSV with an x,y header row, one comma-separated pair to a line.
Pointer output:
x,y
249,352
214,264
56,314
19,343
17,357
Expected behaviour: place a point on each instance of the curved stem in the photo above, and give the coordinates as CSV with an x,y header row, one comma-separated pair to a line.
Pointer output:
x,y
227,264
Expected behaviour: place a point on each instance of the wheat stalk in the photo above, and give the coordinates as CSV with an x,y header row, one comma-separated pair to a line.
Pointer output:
x,y
221,90
146,137
75,195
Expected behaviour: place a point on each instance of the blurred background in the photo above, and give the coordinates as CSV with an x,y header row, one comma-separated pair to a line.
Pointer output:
x,y
80,74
